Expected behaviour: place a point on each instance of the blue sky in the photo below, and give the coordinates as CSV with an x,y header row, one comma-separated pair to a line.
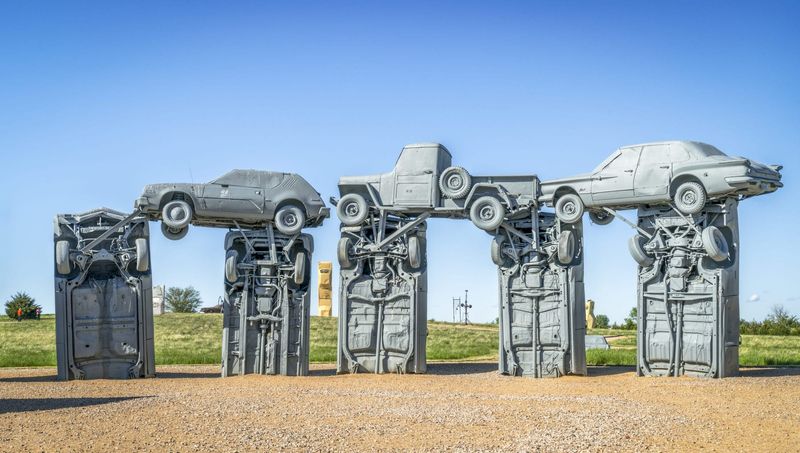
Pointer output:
x,y
99,99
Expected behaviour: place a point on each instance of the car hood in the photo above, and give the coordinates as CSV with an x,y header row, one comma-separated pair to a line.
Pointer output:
x,y
572,179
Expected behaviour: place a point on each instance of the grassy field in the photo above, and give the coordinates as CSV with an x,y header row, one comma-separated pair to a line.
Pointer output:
x,y
197,338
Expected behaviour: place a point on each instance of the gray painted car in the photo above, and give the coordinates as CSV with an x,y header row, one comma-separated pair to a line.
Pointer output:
x,y
685,173
249,198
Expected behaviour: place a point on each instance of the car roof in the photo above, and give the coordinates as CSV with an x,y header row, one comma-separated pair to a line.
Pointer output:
x,y
686,143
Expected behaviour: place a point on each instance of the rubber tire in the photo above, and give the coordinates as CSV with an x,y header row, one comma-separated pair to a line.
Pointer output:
x,y
142,255
290,219
177,214
458,192
715,244
173,236
343,253
352,209
566,247
231,271
300,268
480,206
564,202
600,217
637,251
414,252
63,264
496,251
700,197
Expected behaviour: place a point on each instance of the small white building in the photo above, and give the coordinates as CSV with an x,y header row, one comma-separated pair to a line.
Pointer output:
x,y
159,306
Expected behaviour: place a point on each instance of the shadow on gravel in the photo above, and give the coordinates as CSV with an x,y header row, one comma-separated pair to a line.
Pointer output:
x,y
461,368
44,378
609,370
185,375
323,372
769,372
11,406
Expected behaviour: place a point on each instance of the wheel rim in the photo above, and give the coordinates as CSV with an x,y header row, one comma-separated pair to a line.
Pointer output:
x,y
351,209
177,214
569,208
289,219
486,213
455,182
689,197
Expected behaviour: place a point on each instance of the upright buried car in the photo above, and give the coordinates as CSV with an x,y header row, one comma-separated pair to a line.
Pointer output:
x,y
685,173
247,198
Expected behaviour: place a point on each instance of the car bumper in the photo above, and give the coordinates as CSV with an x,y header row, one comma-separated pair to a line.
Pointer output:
x,y
144,204
751,185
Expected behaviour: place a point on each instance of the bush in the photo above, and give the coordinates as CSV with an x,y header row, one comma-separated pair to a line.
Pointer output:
x,y
778,322
601,322
23,301
630,321
182,300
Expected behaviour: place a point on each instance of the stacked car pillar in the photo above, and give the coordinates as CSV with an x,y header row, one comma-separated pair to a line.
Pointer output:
x,y
688,291
266,303
103,296
383,295
540,273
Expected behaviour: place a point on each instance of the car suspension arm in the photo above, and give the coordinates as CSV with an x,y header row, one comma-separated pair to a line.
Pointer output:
x,y
121,224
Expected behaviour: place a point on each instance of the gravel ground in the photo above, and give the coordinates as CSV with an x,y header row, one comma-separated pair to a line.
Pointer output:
x,y
465,406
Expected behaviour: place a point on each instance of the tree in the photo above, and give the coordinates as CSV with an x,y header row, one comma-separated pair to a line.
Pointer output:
x,y
630,321
182,300
25,302
601,322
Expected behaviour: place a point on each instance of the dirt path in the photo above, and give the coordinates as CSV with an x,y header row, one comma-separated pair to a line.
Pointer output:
x,y
464,406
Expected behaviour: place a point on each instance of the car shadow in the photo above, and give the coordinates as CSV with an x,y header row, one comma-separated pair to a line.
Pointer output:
x,y
610,370
16,405
41,378
446,369
769,371
186,375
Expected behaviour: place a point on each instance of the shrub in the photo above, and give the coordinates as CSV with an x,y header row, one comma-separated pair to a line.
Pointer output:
x,y
182,300
778,322
601,322
25,302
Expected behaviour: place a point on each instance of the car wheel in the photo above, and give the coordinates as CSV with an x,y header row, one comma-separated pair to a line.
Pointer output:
x,y
600,217
352,209
569,208
715,244
498,257
414,252
300,268
455,182
173,234
142,255
231,270
290,219
636,248
566,247
343,253
487,213
690,197
63,264
176,214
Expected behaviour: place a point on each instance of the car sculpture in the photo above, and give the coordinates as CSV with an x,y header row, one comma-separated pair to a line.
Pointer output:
x,y
425,181
240,198
684,173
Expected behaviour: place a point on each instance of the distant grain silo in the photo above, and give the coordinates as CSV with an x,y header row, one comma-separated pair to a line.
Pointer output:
x,y
325,289
159,305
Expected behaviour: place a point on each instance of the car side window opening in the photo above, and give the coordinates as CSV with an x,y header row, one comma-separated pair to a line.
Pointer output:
x,y
626,160
655,155
678,154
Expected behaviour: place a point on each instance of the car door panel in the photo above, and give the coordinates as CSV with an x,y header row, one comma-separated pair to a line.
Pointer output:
x,y
233,201
614,182
653,173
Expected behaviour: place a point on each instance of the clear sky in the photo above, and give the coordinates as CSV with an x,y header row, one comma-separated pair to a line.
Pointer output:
x,y
99,99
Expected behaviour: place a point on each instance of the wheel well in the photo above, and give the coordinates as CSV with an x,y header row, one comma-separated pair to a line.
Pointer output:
x,y
680,180
176,196
561,191
291,202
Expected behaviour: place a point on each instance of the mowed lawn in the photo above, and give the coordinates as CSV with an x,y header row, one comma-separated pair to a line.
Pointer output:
x,y
197,339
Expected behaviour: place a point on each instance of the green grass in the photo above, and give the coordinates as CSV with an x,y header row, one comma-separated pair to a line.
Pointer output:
x,y
197,339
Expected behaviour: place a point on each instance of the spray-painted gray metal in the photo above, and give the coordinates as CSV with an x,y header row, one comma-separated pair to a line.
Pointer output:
x,y
688,291
596,342
681,172
383,271
383,296
540,273
266,303
103,296
239,198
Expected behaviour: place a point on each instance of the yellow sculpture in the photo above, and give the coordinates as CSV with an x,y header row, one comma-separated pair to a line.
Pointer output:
x,y
590,314
325,302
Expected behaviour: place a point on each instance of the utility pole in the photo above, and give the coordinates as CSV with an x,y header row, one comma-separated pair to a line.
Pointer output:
x,y
466,306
